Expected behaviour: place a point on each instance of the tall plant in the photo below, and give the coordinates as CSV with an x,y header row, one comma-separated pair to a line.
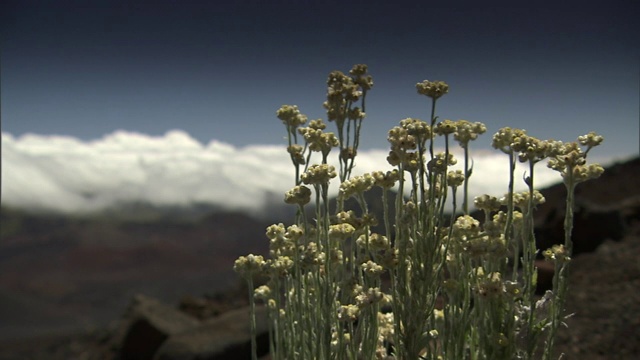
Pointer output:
x,y
432,286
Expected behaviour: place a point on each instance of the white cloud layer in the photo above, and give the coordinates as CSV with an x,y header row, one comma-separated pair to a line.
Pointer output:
x,y
73,176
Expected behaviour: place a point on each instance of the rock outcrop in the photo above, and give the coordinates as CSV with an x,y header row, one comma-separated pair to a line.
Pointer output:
x,y
146,325
151,329
227,337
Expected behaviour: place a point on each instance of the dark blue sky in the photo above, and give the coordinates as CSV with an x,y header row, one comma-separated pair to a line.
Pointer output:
x,y
220,69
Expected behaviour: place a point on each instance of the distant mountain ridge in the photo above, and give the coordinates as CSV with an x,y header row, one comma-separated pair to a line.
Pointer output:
x,y
58,271
90,267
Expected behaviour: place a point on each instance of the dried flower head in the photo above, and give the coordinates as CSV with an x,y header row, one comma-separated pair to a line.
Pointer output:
x,y
372,269
299,195
369,297
521,199
356,185
570,161
529,148
432,89
445,127
587,172
373,242
400,139
341,232
297,154
361,77
490,286
557,253
319,174
440,162
467,131
466,224
355,113
590,140
249,265
417,128
318,140
385,180
291,116
455,178
487,203
503,139
317,124
262,292
348,313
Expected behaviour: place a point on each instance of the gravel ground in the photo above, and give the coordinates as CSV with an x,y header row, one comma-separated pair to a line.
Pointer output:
x,y
604,295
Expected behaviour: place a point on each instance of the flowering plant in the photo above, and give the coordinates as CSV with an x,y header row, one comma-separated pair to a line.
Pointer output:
x,y
431,285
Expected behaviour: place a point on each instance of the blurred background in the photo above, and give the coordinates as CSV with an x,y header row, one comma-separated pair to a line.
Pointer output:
x,y
141,151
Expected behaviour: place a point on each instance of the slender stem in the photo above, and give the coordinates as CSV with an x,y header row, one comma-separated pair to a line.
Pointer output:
x,y
252,315
467,175
432,119
560,280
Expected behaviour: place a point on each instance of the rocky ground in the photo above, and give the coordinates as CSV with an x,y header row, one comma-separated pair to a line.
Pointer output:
x,y
604,294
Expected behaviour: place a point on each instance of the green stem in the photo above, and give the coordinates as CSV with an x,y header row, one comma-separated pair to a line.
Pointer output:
x,y
252,315
467,175
560,279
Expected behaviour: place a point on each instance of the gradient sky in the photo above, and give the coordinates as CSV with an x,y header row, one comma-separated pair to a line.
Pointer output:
x,y
220,69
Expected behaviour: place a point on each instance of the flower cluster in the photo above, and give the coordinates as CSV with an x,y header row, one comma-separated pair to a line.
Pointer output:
x,y
291,116
318,140
487,203
372,269
319,174
467,131
417,128
432,89
356,185
299,195
283,241
402,146
490,285
249,265
297,154
445,127
557,253
521,199
401,140
341,232
343,90
570,161
455,178
280,266
369,297
503,139
529,148
373,242
590,140
385,180
361,77
466,225
440,163
359,223
348,313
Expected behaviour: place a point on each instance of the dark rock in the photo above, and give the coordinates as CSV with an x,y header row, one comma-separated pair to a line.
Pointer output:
x,y
605,209
148,324
546,270
592,225
200,308
227,337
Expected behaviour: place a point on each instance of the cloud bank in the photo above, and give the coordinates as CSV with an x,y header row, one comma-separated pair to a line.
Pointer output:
x,y
68,175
